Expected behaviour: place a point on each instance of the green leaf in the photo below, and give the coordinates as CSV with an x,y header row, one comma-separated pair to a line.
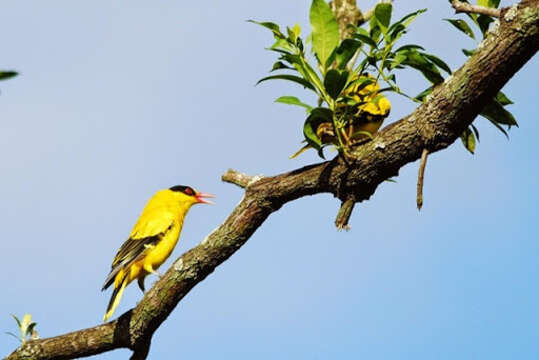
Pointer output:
x,y
12,334
438,62
398,28
296,30
292,59
462,26
17,320
26,320
272,26
468,52
382,13
468,139
417,61
409,47
30,328
397,60
282,44
279,65
375,31
334,82
503,99
396,32
366,39
407,19
293,33
345,52
484,22
306,70
292,78
423,95
292,100
4,75
489,3
325,30
495,112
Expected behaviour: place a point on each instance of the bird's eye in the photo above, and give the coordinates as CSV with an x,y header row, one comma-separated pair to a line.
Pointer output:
x,y
188,191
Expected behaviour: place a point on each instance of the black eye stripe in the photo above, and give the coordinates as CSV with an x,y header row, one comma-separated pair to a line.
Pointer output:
x,y
187,190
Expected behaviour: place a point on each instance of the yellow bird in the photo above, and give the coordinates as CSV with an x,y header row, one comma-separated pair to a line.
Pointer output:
x,y
364,119
152,239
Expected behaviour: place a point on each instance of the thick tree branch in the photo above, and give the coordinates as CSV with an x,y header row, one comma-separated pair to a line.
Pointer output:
x,y
450,108
461,7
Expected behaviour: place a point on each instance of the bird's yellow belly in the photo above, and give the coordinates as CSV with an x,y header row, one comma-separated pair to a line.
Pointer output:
x,y
162,250
155,255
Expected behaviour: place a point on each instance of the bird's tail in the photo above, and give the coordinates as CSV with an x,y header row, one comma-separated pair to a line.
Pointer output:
x,y
116,296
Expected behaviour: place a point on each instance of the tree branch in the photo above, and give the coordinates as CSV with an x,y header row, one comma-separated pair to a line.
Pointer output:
x,y
461,7
436,124
343,216
240,179
420,178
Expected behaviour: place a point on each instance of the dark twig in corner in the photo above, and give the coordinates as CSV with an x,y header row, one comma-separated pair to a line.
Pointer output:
x,y
420,178
461,7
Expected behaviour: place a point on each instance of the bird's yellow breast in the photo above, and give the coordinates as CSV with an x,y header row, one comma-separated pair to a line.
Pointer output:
x,y
162,250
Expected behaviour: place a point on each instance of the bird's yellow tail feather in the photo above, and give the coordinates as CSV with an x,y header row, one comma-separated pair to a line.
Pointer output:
x,y
115,298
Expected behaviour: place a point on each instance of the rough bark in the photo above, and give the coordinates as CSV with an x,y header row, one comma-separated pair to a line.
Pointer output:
x,y
434,125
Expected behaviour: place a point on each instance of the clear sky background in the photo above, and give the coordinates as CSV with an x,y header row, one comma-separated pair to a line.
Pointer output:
x,y
117,99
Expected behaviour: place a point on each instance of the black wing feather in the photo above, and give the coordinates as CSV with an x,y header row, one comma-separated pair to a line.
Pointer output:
x,y
128,254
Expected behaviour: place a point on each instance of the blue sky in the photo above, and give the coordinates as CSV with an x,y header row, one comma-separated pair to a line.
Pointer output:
x,y
118,99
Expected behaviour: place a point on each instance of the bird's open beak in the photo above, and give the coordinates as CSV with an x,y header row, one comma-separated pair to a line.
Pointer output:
x,y
201,198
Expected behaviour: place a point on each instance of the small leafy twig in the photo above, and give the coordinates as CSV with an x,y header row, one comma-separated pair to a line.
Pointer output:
x,y
461,7
26,327
420,178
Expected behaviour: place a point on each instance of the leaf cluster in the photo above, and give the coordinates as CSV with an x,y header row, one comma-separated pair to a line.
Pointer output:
x,y
345,74
26,328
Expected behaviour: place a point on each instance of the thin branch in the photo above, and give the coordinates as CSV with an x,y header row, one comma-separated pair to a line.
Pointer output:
x,y
436,124
343,216
237,178
461,7
420,178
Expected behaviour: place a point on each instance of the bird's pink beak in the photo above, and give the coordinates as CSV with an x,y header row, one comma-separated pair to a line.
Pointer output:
x,y
201,198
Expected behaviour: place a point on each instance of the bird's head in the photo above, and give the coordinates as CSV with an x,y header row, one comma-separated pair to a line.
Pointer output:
x,y
188,195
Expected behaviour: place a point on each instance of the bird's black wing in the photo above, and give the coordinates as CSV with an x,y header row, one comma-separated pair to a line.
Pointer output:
x,y
129,253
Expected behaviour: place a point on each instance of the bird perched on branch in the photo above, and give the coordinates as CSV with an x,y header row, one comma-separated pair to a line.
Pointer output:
x,y
362,110
152,239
